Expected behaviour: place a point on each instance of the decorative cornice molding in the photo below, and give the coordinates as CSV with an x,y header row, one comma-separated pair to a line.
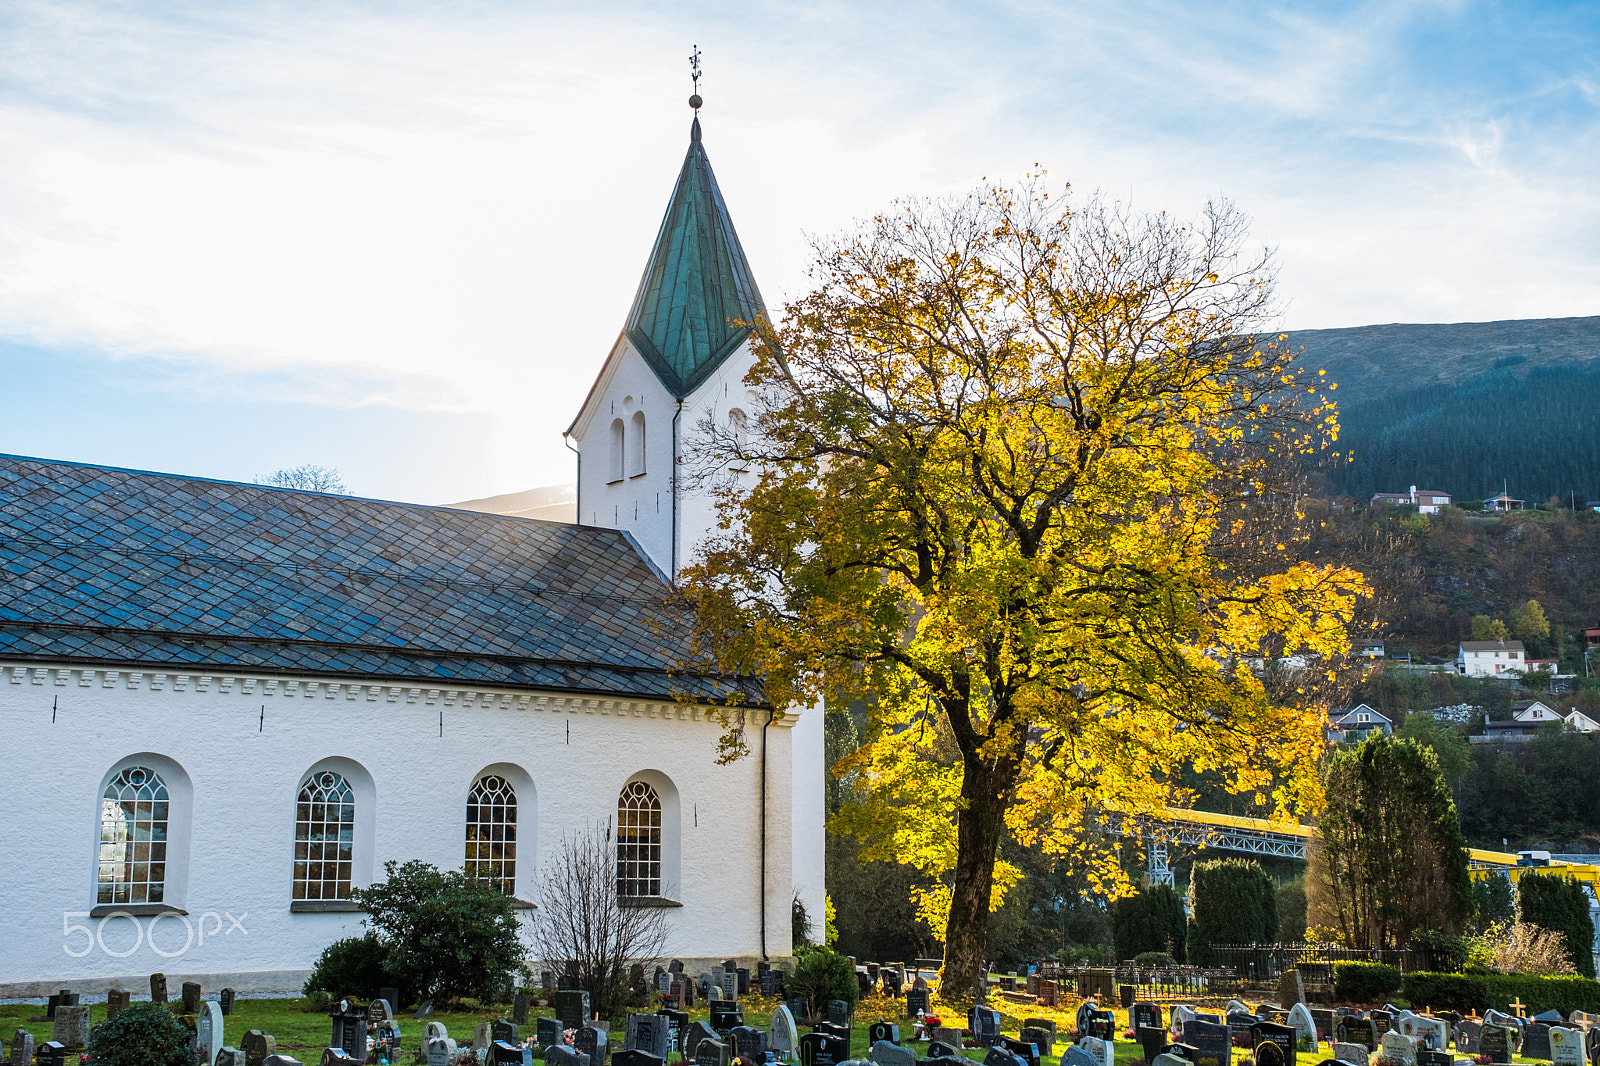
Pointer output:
x,y
464,697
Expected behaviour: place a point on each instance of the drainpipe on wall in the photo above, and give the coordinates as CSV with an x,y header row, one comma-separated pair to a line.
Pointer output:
x,y
768,722
578,491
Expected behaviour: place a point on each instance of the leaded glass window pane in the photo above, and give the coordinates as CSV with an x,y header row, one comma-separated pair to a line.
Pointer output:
x,y
638,841
492,833
133,838
324,837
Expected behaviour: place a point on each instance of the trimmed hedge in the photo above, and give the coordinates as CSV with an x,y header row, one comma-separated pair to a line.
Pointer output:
x,y
1364,982
1470,991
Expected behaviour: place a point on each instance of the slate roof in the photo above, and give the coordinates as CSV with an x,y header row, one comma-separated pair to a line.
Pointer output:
x,y
100,565
696,283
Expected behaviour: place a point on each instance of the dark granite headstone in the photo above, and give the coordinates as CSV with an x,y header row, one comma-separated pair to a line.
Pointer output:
x,y
424,1011
883,1031
1324,1020
593,1041
1152,1039
711,1053
747,1043
1363,1031
999,1056
191,997
1043,1039
158,988
572,1007
823,1049
547,1031
226,1001
1146,1014
725,1014
1280,1036
636,1058
563,1055
257,1047
985,1025
22,1048
117,999
510,1032
1467,1034
839,1012
1214,1041
1381,1020
51,1053
1270,1053
693,1035
939,1050
1495,1041
1099,1023
1239,1026
677,1025
1022,1049
1426,1057
1536,1041
916,1002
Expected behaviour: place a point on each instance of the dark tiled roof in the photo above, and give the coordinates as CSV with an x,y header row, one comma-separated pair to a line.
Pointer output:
x,y
101,565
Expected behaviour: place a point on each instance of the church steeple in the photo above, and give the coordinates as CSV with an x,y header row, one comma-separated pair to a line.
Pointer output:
x,y
697,283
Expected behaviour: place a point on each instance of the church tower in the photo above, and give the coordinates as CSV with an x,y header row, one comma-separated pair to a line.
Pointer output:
x,y
681,357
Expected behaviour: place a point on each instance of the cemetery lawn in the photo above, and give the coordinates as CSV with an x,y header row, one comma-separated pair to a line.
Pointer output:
x,y
303,1033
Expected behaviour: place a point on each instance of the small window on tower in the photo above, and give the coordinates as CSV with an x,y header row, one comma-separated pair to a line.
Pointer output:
x,y
636,445
617,441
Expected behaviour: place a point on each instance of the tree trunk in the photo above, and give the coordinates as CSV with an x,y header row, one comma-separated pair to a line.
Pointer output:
x,y
983,790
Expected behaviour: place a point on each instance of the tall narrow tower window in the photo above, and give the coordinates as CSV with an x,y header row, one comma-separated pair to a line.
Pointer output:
x,y
636,445
617,441
133,838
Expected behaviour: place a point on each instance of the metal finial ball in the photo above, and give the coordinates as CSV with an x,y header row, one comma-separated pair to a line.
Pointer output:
x,y
695,101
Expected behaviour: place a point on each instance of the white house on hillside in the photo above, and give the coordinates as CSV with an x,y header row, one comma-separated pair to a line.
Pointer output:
x,y
1490,658
1358,720
1427,501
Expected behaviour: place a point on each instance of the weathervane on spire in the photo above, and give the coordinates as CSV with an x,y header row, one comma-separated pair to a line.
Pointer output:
x,y
694,72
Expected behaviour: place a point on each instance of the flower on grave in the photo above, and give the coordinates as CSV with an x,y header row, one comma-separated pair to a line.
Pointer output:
x,y
568,1036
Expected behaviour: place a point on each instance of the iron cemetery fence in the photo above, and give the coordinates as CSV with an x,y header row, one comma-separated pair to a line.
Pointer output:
x,y
1315,961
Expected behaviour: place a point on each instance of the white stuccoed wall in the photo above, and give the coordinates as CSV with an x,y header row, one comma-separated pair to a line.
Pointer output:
x,y
577,752
625,384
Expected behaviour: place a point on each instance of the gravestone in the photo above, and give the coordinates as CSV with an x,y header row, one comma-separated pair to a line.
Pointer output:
x,y
999,1056
116,999
1381,1020
71,1028
1165,1059
1145,1014
1291,989
380,1010
1361,1031
519,1008
423,1012
916,1002
257,1047
208,1031
1152,1040
883,1031
441,1051
510,1032
562,1055
1181,1014
944,1035
1466,1036
349,1029
744,981
1103,1051
664,984
711,1053
730,985
725,1014
747,1044
1239,1023
696,1032
1428,1057
937,1049
225,1001
1271,1034
547,1031
281,1060
1270,1053
1039,1036
636,1058
886,1053
191,997
335,1056
839,1012
823,1049
229,1056
572,1007
1025,1050
1304,1026
1536,1041
1101,1024
645,1032
511,1055
1400,1049
985,1025
1355,1054
158,988
1214,1041
1549,1017
769,981
592,1040
677,1023
782,1035
1077,1056
1495,1042
1567,1046
51,1053
22,1048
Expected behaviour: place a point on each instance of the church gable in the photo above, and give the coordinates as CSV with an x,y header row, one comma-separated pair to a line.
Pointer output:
x,y
100,565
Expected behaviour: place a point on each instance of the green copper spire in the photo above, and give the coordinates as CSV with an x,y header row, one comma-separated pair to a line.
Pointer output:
x,y
696,285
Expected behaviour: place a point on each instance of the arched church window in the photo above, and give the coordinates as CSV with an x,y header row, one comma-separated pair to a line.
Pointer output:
x,y
739,427
638,841
636,445
324,837
133,838
617,435
492,832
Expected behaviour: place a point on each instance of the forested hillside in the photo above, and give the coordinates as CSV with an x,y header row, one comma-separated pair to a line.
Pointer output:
x,y
1465,408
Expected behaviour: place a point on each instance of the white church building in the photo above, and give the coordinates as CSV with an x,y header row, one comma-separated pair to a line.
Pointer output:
x,y
225,706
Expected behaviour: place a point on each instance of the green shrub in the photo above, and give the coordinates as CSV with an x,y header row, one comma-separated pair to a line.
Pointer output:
x,y
1364,982
1154,958
819,976
353,966
141,1034
1559,904
1456,991
445,935
1450,952
1151,921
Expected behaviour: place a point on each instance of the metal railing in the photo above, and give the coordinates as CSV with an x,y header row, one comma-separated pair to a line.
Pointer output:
x,y
1262,962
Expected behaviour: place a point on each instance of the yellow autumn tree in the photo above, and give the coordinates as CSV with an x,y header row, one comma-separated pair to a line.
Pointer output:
x,y
1003,487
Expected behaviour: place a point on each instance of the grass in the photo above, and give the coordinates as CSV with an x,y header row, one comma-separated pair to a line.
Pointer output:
x,y
304,1034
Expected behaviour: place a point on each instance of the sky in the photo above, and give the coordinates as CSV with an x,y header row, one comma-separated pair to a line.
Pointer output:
x,y
400,238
